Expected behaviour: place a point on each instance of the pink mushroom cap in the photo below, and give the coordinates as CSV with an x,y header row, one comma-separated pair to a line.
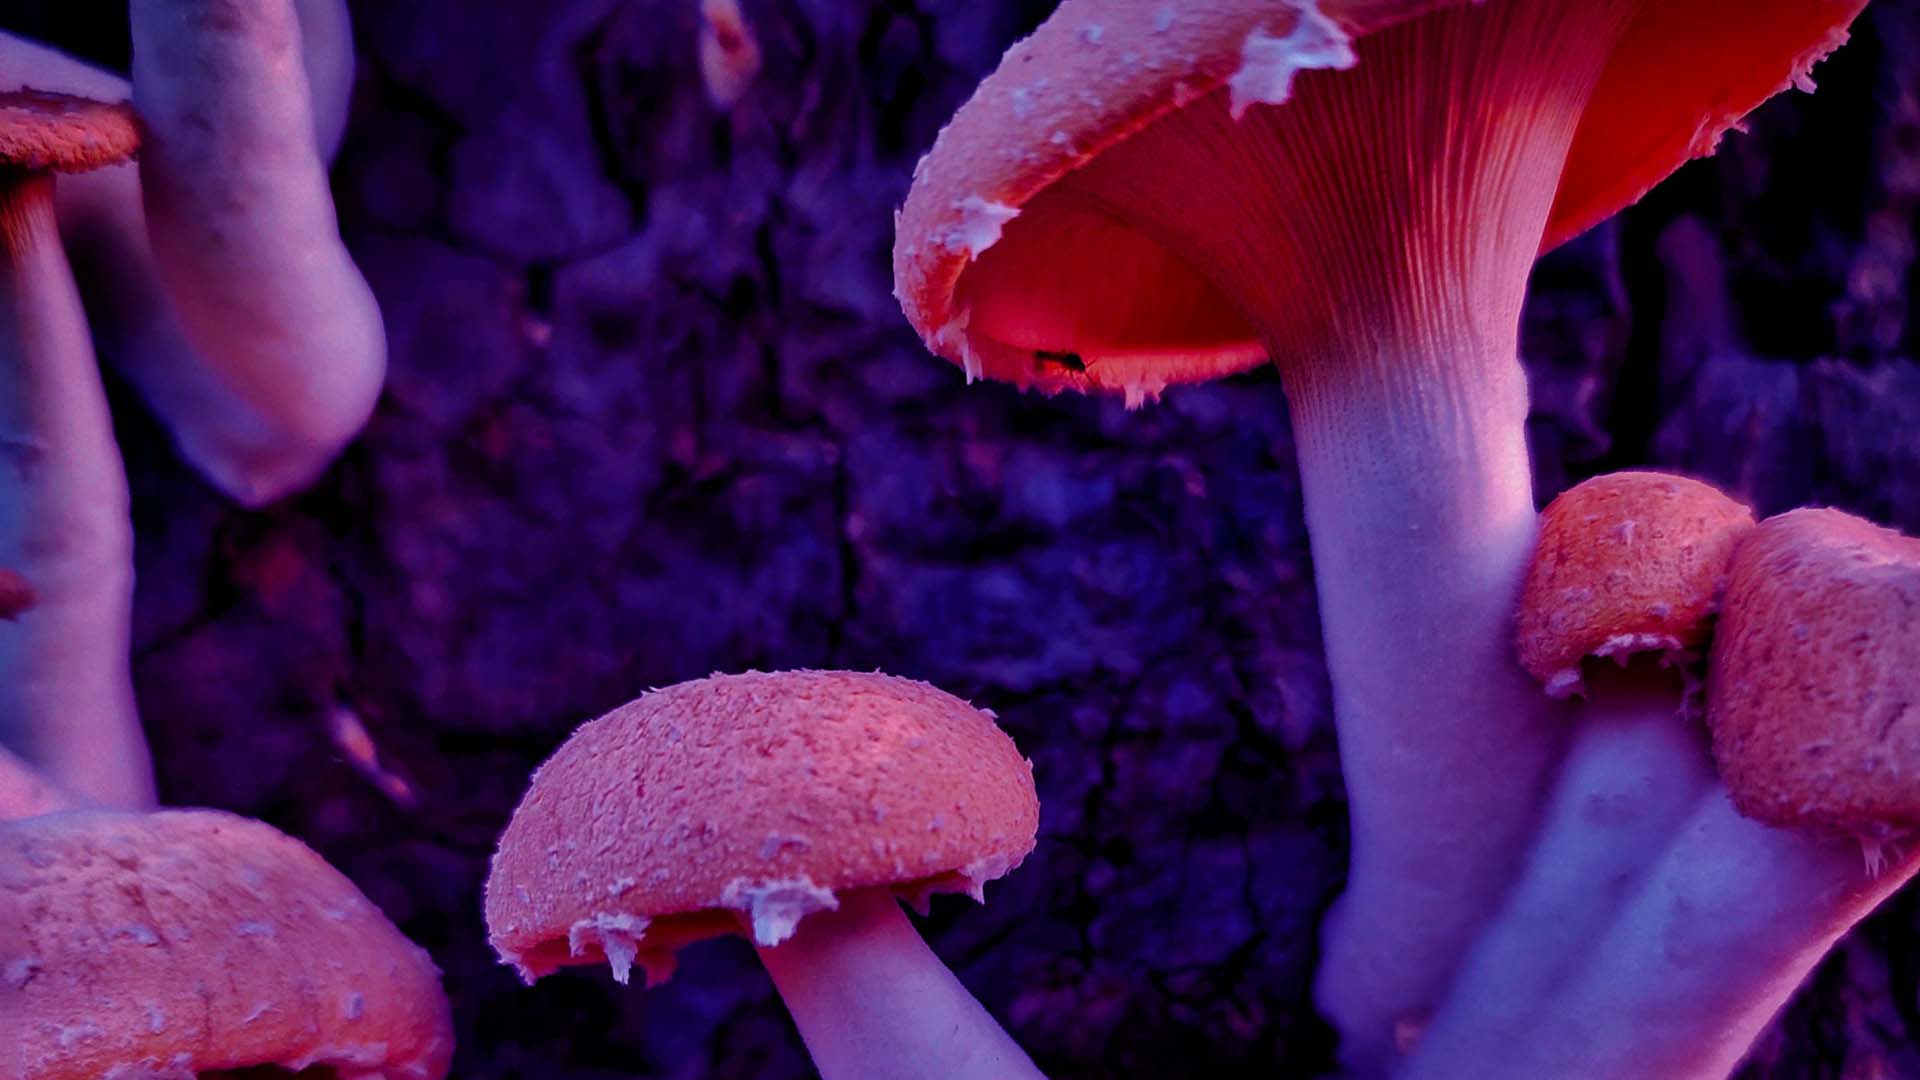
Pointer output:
x,y
751,798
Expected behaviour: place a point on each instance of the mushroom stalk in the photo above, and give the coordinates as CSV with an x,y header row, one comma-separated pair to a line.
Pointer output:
x,y
66,695
1633,775
1377,230
1726,923
291,353
871,999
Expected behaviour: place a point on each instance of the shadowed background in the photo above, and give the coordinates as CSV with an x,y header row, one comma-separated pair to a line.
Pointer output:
x,y
653,413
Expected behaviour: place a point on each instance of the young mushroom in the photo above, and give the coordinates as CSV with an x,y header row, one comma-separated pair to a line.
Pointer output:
x,y
795,808
66,695
1148,193
1678,963
185,943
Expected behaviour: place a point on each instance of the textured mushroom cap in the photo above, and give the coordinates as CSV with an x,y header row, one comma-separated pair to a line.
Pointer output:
x,y
1814,689
759,794
1628,562
41,131
167,944
1098,71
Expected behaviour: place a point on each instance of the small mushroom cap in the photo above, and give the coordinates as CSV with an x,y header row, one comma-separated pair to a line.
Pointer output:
x,y
1625,563
758,796
1099,71
180,942
47,132
1813,694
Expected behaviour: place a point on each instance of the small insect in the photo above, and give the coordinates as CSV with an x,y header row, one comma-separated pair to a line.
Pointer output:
x,y
1069,360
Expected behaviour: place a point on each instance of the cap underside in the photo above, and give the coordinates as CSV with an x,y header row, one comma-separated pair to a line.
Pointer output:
x,y
1069,294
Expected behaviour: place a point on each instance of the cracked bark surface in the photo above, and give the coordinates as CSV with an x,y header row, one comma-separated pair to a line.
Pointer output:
x,y
654,413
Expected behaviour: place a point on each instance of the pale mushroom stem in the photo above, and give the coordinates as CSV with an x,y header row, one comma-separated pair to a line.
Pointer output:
x,y
871,999
1633,775
1715,937
24,792
66,695
1378,229
289,351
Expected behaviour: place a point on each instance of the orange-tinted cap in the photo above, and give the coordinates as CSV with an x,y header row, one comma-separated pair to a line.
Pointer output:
x,y
1814,689
1098,71
41,131
174,943
1628,562
756,797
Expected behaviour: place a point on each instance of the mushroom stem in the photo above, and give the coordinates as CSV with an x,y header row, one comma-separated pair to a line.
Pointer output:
x,y
1727,923
871,999
1377,229
66,695
1632,776
24,792
289,346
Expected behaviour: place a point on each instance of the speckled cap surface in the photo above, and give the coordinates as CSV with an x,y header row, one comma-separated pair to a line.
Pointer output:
x,y
751,797
42,131
162,945
1814,691
1099,71
1625,563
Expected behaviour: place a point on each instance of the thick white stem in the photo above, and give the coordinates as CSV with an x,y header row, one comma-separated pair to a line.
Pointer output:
x,y
288,338
66,697
25,792
872,1000
1634,772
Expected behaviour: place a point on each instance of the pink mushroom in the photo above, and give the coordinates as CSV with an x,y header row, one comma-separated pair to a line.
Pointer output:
x,y
1669,952
179,944
796,808
1149,193
66,698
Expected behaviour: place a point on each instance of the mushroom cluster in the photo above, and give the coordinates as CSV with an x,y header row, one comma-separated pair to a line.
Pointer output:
x,y
220,286
1684,882
1145,194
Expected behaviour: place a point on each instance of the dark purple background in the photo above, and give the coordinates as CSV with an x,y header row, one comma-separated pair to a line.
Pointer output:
x,y
653,413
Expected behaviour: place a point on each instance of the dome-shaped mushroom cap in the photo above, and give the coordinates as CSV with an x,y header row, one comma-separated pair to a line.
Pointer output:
x,y
1814,689
762,794
1628,562
62,133
1098,71
167,944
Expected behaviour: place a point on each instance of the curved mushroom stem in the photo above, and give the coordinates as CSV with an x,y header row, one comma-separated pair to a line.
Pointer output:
x,y
66,695
290,352
24,792
247,445
871,999
1634,773
1729,920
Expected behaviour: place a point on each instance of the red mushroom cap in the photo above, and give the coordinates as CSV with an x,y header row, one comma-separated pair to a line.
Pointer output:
x,y
756,794
1099,71
41,131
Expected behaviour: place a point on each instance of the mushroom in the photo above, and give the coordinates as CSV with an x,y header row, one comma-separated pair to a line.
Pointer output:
x,y
66,696
795,808
291,353
242,421
1671,964
1122,207
178,943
